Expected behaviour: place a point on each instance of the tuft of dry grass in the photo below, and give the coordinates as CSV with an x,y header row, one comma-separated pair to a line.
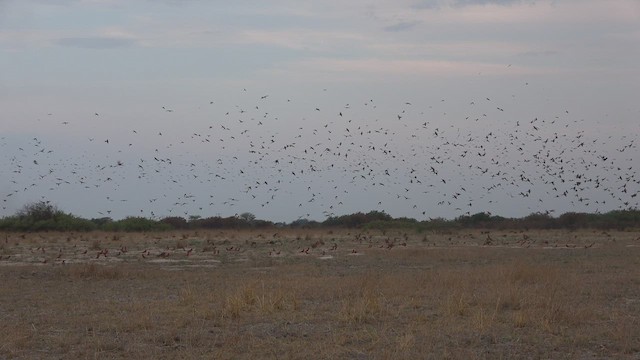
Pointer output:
x,y
255,298
362,309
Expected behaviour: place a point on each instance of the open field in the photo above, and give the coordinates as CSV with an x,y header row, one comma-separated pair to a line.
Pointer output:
x,y
288,293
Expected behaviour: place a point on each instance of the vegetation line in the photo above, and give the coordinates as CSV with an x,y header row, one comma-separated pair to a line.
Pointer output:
x,y
44,216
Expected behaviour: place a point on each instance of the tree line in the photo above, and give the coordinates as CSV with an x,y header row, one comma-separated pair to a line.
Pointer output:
x,y
45,216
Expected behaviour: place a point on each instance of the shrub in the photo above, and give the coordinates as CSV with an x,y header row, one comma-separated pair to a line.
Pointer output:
x,y
39,211
44,216
133,223
175,222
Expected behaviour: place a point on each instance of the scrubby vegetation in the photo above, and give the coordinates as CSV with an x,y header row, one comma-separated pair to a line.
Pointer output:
x,y
44,216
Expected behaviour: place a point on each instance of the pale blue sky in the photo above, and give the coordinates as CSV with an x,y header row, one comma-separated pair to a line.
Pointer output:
x,y
573,65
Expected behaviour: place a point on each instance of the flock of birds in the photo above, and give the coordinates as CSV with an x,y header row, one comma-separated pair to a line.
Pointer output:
x,y
282,158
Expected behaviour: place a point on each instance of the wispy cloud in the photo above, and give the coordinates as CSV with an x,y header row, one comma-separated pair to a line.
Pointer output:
x,y
371,68
471,50
538,53
471,12
402,26
95,42
433,4
485,2
301,38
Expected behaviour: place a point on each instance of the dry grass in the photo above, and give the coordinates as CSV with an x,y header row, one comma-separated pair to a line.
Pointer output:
x,y
260,295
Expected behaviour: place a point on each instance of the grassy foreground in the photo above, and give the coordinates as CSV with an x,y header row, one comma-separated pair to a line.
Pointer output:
x,y
320,294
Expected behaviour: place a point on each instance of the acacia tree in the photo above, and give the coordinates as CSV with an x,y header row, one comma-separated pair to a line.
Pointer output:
x,y
247,216
39,211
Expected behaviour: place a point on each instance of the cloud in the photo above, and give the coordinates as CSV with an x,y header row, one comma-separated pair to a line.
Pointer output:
x,y
469,50
372,68
95,42
402,26
301,39
486,2
434,4
521,13
538,53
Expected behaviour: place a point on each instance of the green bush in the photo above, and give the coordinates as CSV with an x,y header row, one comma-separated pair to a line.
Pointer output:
x,y
43,216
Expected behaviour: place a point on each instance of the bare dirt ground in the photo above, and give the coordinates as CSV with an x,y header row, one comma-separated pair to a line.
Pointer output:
x,y
321,294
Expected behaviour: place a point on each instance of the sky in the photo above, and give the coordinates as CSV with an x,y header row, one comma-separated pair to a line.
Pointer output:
x,y
309,109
